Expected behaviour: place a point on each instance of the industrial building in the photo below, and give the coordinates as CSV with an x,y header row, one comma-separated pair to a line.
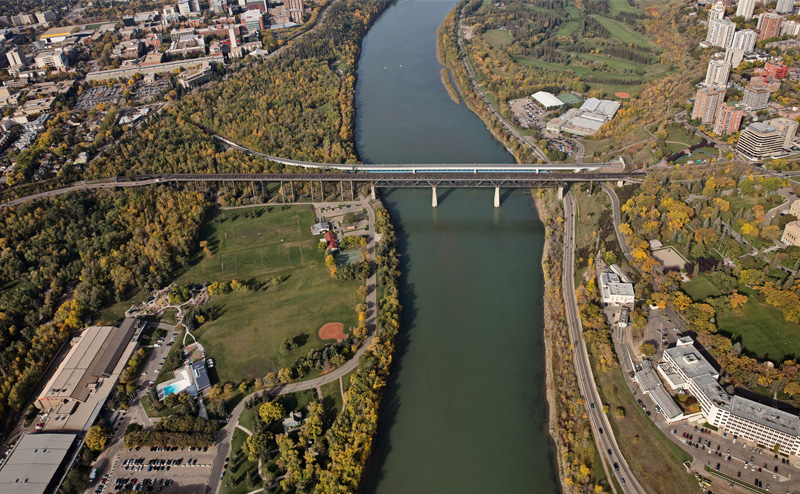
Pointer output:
x,y
586,120
37,463
86,377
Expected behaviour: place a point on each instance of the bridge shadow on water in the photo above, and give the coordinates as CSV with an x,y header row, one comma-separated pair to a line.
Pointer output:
x,y
390,402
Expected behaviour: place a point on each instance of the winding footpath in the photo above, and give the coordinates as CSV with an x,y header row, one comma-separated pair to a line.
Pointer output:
x,y
601,427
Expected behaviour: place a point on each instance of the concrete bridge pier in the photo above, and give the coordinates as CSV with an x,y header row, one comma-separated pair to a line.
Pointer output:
x,y
372,190
497,197
434,200
561,192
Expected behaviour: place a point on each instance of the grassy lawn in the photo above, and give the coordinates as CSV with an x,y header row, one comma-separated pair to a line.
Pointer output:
x,y
240,463
653,457
273,245
247,419
574,21
675,147
174,360
498,38
116,312
676,134
622,32
700,288
702,154
762,329
620,6
332,396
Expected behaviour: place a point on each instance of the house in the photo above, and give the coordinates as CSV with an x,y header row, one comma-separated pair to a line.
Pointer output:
x,y
321,227
330,239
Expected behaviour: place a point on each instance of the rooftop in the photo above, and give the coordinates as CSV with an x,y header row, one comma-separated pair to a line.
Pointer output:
x,y
547,99
765,415
602,106
34,462
689,360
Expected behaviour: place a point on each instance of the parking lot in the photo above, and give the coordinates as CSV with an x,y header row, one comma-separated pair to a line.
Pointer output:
x,y
99,94
526,112
181,470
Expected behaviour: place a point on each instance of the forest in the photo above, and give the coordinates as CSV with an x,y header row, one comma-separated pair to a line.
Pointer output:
x,y
66,257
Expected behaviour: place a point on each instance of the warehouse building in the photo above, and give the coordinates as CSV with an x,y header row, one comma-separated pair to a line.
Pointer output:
x,y
38,463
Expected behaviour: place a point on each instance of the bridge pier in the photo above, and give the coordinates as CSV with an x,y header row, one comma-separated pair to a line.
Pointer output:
x,y
561,191
372,189
497,197
435,200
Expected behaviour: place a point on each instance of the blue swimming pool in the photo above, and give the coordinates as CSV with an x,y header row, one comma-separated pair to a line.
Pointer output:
x,y
174,388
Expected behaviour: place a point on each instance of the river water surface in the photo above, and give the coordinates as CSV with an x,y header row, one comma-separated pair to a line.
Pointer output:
x,y
465,411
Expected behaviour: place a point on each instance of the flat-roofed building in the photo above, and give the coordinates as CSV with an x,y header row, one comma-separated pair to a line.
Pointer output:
x,y
756,97
717,73
729,118
720,32
616,288
763,424
760,140
37,463
787,127
547,100
745,40
707,102
769,25
745,8
791,232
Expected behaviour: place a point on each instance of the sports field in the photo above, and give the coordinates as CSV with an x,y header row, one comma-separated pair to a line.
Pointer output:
x,y
292,293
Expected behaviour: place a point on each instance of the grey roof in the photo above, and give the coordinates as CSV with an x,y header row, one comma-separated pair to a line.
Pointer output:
x,y
713,390
761,127
765,415
691,362
612,284
34,462
665,401
646,377
602,106
200,374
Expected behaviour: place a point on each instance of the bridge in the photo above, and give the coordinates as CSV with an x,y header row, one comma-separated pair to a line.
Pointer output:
x,y
434,168
419,179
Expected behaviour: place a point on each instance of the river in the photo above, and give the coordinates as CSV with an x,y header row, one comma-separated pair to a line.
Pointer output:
x,y
465,410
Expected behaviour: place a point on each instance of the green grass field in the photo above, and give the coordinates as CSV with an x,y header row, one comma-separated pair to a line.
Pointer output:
x,y
241,464
574,21
700,288
762,329
622,32
498,38
245,338
677,135
615,6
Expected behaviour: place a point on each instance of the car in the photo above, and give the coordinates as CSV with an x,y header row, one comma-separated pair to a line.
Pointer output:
x,y
739,474
774,475
616,467
609,452
600,429
591,405
718,466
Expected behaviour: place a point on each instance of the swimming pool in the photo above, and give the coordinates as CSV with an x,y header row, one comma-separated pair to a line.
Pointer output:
x,y
173,388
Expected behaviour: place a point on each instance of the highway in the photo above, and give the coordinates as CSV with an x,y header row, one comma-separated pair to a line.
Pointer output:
x,y
601,428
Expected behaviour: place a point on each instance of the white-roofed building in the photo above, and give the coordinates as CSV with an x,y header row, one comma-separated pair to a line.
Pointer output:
x,y
616,288
604,107
547,100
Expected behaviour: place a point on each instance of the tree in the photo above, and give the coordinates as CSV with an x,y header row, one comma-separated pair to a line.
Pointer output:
x,y
96,438
792,388
737,300
330,262
647,349
270,412
285,375
619,412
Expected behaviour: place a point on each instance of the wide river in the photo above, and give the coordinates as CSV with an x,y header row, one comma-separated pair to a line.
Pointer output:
x,y
465,410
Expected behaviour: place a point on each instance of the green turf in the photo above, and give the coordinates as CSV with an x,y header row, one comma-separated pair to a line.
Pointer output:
x,y
498,38
762,329
677,135
574,21
700,288
247,418
615,6
245,340
623,32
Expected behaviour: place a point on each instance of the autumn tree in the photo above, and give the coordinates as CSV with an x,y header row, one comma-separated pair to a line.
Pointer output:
x,y
97,438
270,412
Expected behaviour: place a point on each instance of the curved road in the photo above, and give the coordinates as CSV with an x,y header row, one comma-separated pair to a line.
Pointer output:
x,y
601,428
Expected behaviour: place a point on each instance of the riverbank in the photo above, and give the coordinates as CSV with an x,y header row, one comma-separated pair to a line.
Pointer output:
x,y
569,426
448,53
448,84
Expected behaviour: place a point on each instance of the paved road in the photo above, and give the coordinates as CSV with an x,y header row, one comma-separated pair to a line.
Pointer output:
x,y
601,428
510,128
616,213
788,195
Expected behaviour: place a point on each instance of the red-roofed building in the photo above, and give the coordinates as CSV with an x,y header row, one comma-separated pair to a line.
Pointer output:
x,y
776,70
330,238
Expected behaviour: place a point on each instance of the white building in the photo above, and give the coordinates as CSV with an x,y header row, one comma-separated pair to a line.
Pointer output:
x,y
56,59
547,100
718,73
720,32
687,369
745,40
790,28
745,8
787,127
717,11
615,287
784,6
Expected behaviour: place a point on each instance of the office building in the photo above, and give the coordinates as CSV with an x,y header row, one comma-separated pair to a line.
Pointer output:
x,y
37,463
717,73
720,32
791,232
784,6
16,57
794,209
685,368
218,6
44,17
745,8
615,287
769,25
788,129
717,11
707,102
734,57
729,118
790,28
755,97
776,70
253,20
760,140
54,59
745,40
260,5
